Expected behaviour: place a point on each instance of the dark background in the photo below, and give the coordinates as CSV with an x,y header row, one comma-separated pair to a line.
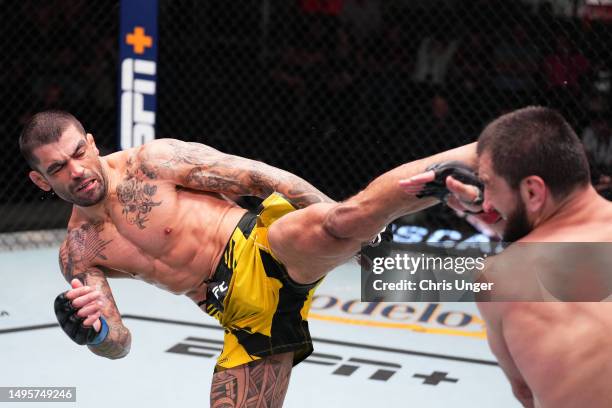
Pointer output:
x,y
336,91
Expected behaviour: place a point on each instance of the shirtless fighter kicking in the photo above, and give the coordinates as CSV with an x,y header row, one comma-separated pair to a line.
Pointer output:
x,y
159,213
535,174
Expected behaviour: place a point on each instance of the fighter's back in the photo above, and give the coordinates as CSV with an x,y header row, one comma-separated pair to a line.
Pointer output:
x,y
563,349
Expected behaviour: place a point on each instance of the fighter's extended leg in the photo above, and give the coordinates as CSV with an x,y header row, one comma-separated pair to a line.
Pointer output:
x,y
312,241
262,383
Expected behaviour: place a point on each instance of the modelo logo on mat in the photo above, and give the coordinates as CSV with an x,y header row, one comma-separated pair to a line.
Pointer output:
x,y
425,317
137,87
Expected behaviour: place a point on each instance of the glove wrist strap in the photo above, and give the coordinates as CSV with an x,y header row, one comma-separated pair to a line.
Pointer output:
x,y
102,334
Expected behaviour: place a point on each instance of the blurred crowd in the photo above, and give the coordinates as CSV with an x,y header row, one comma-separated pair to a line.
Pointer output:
x,y
59,55
307,70
439,74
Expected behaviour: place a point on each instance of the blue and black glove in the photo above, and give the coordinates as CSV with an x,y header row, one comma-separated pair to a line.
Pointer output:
x,y
73,325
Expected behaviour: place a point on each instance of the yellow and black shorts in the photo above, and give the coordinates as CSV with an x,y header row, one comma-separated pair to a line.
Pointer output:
x,y
262,310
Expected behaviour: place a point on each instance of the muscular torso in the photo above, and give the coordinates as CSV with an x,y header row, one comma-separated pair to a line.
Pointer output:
x,y
154,230
562,350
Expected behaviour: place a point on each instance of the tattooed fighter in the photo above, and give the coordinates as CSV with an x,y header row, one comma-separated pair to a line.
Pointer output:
x,y
160,213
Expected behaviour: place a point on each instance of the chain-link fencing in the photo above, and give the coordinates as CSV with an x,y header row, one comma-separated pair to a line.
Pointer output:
x,y
55,55
336,91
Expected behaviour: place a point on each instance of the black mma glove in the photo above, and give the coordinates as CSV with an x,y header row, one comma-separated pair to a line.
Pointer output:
x,y
461,172
72,324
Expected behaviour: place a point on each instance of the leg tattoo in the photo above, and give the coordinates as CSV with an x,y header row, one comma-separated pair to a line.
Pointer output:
x,y
260,384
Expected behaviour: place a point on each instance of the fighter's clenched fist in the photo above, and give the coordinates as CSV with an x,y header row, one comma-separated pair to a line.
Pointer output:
x,y
78,312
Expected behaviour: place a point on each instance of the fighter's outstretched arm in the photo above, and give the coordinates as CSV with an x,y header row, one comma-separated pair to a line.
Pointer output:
x,y
77,254
201,167
382,201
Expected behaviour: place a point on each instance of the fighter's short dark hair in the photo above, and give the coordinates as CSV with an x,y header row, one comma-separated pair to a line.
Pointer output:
x,y
536,141
44,128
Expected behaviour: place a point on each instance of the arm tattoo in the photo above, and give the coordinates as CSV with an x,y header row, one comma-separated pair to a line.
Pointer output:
x,y
212,171
137,196
117,343
262,384
188,153
302,194
82,246
208,171
223,180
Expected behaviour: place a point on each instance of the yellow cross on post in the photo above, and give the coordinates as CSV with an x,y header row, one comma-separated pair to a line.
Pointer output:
x,y
139,40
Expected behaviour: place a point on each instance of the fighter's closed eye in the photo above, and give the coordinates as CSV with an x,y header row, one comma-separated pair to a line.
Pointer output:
x,y
54,169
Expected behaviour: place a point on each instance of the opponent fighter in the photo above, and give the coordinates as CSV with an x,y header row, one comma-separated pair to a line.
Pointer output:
x,y
158,213
535,174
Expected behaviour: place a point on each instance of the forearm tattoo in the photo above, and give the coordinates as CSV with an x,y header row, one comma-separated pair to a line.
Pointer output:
x,y
116,345
136,196
82,248
260,384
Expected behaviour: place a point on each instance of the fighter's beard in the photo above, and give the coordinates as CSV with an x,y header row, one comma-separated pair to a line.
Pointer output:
x,y
517,225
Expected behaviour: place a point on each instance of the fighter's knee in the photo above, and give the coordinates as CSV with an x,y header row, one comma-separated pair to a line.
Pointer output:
x,y
330,224
347,222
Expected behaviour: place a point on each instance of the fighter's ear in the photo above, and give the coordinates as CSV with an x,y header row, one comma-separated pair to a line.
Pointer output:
x,y
533,192
92,143
39,180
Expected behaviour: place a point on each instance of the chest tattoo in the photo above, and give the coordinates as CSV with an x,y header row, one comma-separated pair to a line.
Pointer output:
x,y
136,196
